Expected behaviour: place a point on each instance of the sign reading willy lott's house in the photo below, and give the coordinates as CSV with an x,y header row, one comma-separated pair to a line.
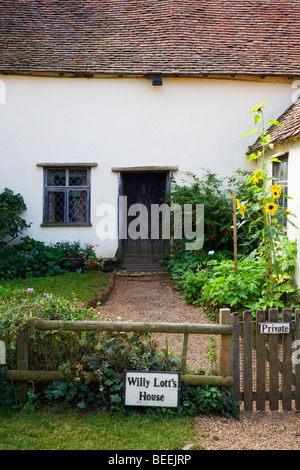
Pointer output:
x,y
159,389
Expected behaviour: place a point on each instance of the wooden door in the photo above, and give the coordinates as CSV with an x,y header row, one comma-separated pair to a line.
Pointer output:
x,y
146,189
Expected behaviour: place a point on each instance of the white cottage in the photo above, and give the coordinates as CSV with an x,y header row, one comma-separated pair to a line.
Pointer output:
x,y
103,98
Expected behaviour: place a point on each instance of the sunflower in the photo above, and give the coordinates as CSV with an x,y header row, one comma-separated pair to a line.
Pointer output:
x,y
271,208
256,108
276,190
241,208
258,175
288,211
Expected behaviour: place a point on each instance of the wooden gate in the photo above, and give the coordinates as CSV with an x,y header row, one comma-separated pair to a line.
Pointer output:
x,y
266,367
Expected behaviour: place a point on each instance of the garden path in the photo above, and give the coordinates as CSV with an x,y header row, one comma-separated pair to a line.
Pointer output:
x,y
137,299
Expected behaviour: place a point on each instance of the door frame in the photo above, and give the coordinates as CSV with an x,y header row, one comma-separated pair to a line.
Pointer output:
x,y
168,170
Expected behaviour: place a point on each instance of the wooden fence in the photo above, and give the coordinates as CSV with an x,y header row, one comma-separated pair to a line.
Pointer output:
x,y
23,375
258,367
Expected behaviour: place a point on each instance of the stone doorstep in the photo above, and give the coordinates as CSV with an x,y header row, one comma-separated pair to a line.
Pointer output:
x,y
141,275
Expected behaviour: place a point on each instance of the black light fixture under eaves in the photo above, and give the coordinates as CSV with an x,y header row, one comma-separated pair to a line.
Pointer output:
x,y
157,81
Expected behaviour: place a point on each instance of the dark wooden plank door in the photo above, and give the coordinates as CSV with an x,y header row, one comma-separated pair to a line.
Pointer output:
x,y
146,189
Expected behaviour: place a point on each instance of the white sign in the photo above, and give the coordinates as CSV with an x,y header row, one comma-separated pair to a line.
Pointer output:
x,y
2,353
159,389
274,328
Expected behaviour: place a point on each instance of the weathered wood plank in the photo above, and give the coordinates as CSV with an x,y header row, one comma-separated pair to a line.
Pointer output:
x,y
248,392
22,361
287,363
235,360
260,364
297,359
273,364
225,343
184,352
139,327
49,376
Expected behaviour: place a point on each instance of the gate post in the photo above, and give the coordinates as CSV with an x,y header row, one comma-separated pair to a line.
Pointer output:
x,y
22,361
225,343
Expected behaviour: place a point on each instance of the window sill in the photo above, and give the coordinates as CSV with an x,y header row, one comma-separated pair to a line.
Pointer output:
x,y
65,225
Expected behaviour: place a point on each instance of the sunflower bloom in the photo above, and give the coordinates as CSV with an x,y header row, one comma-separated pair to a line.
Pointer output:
x,y
241,208
256,108
271,208
276,190
288,211
258,175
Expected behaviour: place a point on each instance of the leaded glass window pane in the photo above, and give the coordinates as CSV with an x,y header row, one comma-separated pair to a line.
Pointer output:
x,y
77,207
280,176
56,177
78,177
56,206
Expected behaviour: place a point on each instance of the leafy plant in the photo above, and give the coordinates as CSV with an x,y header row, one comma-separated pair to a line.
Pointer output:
x,y
11,224
267,212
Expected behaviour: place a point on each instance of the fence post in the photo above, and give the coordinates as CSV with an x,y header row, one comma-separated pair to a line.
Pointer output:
x,y
22,361
260,364
225,343
287,363
235,359
273,364
297,360
247,333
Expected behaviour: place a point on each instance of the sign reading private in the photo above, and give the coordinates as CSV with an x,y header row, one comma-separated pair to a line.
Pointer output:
x,y
159,389
274,328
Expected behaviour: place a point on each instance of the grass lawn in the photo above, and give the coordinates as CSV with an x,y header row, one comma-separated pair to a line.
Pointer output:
x,y
71,286
68,430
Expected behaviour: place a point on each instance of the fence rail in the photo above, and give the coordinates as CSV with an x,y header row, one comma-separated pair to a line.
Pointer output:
x,y
22,375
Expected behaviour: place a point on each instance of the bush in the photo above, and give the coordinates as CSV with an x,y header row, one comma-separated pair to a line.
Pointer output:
x,y
32,258
11,224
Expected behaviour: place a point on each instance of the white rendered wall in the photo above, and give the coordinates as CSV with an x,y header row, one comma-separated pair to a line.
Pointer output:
x,y
191,123
292,148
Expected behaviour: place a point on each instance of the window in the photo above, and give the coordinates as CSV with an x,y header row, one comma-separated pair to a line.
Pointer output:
x,y
280,176
67,196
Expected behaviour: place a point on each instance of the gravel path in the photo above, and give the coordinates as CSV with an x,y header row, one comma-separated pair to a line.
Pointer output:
x,y
157,301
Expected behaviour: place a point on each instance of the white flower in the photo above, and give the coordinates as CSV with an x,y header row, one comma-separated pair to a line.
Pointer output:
x,y
211,252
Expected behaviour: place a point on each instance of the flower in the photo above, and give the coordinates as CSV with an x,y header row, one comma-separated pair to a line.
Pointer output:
x,y
241,208
288,211
93,246
276,190
271,208
47,295
211,252
256,108
29,289
257,175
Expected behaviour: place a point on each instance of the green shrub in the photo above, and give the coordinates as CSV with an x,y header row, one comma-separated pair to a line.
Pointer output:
x,y
33,258
11,224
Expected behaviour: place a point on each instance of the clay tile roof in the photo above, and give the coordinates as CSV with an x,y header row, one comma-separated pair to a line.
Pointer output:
x,y
185,37
290,128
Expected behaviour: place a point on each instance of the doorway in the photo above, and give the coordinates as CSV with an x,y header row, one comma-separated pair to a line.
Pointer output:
x,y
142,252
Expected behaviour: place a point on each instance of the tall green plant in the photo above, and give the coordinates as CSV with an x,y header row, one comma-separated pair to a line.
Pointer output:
x,y
268,213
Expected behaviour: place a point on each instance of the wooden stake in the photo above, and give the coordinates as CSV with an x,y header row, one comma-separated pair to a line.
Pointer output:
x,y
234,232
